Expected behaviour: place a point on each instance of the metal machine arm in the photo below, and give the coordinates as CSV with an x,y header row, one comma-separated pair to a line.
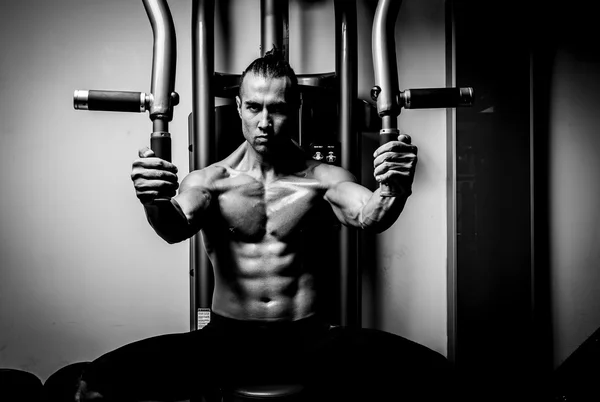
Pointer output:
x,y
386,90
162,98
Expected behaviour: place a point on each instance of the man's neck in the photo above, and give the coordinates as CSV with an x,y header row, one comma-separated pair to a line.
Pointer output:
x,y
269,166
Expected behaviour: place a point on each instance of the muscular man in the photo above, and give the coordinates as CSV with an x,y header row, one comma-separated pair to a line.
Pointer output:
x,y
259,211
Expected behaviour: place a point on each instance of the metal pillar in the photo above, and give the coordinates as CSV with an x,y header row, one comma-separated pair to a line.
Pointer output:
x,y
202,145
347,85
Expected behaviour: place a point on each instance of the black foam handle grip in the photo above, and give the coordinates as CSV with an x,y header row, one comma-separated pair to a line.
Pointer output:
x,y
115,101
435,98
160,143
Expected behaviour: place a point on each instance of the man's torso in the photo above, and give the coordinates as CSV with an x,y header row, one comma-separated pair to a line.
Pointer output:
x,y
266,240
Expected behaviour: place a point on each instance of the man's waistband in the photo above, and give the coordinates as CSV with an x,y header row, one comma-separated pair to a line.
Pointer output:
x,y
312,321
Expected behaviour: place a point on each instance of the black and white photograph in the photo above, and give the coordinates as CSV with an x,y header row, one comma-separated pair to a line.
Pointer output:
x,y
299,200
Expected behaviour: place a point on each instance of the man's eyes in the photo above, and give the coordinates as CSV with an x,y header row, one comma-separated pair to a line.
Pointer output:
x,y
272,109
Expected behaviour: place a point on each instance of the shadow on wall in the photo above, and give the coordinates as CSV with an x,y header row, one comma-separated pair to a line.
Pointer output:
x,y
523,318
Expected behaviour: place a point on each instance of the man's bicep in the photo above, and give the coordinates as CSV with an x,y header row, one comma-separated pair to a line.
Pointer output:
x,y
347,198
194,196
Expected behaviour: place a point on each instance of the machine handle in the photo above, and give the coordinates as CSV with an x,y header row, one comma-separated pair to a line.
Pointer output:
x,y
419,99
160,143
112,101
386,135
435,98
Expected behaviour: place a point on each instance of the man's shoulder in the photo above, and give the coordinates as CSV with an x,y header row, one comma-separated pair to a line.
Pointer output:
x,y
214,171
330,174
207,176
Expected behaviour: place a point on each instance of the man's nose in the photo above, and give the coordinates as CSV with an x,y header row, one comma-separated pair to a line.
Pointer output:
x,y
265,120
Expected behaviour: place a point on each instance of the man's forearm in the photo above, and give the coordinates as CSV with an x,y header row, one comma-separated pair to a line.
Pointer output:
x,y
169,221
379,213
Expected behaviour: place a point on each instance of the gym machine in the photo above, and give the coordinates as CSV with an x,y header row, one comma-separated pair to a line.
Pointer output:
x,y
208,84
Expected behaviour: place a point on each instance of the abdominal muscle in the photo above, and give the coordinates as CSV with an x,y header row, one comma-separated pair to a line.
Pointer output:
x,y
262,281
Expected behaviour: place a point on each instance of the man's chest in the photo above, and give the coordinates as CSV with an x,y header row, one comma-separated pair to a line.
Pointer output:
x,y
251,208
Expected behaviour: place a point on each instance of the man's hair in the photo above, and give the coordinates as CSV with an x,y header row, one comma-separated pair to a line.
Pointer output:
x,y
274,65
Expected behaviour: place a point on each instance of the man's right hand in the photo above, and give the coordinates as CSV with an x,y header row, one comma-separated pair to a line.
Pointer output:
x,y
153,178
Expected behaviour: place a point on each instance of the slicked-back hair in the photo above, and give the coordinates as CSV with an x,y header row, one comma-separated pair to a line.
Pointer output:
x,y
274,65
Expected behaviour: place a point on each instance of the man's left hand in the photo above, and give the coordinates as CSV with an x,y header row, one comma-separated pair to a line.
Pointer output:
x,y
395,163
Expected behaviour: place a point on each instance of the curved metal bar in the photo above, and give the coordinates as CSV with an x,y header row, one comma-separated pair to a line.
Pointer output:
x,y
164,60
384,61
386,73
162,97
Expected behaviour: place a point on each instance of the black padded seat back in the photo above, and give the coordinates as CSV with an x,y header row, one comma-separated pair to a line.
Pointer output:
x,y
62,384
20,386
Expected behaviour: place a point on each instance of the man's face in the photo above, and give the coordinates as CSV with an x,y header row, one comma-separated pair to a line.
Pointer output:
x,y
265,111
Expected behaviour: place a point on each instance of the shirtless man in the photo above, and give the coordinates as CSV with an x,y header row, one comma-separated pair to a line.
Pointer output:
x,y
258,211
